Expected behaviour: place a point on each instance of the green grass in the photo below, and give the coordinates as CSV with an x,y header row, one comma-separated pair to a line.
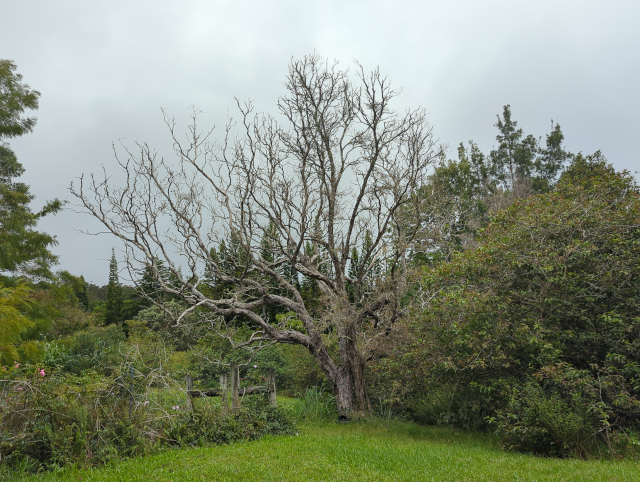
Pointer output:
x,y
392,451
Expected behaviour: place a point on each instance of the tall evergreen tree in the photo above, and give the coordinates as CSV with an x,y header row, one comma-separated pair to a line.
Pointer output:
x,y
148,284
512,162
271,245
550,161
113,311
520,162
309,288
229,257
478,185
364,268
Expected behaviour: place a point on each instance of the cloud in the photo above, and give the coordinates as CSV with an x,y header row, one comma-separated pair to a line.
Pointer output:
x,y
105,69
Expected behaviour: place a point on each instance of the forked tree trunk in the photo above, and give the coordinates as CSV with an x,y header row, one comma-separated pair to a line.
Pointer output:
x,y
347,378
356,366
351,390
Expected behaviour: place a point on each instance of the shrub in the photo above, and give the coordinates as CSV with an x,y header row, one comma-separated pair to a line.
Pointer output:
x,y
53,421
545,423
450,404
93,349
537,330
215,425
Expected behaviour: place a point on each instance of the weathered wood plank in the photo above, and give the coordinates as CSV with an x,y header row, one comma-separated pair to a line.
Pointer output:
x,y
271,384
223,388
189,383
216,392
235,384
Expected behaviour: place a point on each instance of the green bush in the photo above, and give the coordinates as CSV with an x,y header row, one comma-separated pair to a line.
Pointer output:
x,y
215,425
449,404
53,421
543,422
563,411
537,330
58,421
94,349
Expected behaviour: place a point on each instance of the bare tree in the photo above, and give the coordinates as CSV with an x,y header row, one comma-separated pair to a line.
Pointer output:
x,y
337,166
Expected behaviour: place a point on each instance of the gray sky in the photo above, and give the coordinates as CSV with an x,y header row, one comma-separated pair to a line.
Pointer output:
x,y
105,68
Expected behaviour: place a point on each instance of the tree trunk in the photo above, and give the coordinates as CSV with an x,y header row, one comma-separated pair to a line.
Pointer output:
x,y
356,366
350,389
359,386
347,378
344,391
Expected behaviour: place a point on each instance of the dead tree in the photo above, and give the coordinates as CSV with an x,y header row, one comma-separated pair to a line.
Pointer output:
x,y
338,168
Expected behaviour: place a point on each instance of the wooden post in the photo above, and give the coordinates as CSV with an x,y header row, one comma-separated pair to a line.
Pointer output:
x,y
189,383
224,377
271,386
131,394
235,384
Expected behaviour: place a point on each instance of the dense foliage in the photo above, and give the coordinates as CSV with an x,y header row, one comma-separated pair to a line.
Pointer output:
x,y
535,332
89,420
22,249
479,184
102,397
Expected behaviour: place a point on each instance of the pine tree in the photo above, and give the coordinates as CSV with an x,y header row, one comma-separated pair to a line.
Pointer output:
x,y
114,293
520,162
354,268
364,269
272,251
148,285
269,244
309,288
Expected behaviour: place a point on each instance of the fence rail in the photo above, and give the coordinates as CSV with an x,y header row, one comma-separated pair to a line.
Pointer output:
x,y
235,391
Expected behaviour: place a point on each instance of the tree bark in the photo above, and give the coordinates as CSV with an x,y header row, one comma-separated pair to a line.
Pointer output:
x,y
347,378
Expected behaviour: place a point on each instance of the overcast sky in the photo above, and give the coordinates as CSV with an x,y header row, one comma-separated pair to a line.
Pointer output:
x,y
106,68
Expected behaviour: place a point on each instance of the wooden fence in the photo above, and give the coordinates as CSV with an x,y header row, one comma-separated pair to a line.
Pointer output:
x,y
234,389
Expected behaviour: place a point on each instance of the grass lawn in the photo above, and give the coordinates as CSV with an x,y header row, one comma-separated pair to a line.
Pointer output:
x,y
355,452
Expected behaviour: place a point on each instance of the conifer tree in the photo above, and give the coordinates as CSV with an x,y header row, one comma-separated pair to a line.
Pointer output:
x,y
114,293
364,269
520,162
148,284
354,267
271,245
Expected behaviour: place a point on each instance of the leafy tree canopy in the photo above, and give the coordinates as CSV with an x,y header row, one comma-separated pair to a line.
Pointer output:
x,y
479,184
12,321
23,250
544,313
